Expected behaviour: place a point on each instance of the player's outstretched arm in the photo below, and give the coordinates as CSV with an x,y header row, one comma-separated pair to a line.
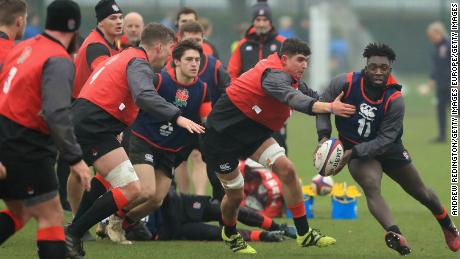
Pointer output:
x,y
336,86
336,107
189,125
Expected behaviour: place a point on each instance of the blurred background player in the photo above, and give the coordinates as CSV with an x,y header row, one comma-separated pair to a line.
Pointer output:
x,y
241,124
260,41
440,75
372,140
100,43
13,16
132,29
154,142
32,125
187,14
33,26
97,47
213,73
286,29
208,29
108,104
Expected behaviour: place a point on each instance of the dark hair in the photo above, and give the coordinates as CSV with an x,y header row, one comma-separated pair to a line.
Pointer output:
x,y
379,49
294,46
186,10
10,10
154,32
183,46
190,26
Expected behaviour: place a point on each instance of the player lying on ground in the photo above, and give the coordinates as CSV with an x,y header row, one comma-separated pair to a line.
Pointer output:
x,y
182,217
372,140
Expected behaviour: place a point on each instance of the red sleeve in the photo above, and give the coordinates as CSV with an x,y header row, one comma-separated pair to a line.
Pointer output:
x,y
205,109
216,71
234,65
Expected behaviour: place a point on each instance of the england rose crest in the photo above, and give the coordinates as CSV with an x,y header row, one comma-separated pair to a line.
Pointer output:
x,y
181,97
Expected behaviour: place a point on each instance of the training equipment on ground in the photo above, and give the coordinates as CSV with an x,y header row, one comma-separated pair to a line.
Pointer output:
x,y
328,156
322,184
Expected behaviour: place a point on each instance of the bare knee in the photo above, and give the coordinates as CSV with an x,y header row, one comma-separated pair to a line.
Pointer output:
x,y
147,191
235,196
370,185
370,188
285,171
48,214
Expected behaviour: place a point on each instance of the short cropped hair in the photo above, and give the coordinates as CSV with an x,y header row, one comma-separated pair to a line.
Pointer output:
x,y
156,32
186,10
294,46
190,26
10,10
183,46
380,50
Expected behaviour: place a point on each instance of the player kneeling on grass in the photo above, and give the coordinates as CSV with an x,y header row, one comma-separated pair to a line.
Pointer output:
x,y
372,140
154,142
241,123
108,103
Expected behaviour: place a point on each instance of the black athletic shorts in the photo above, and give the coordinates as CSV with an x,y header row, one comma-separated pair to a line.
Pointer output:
x,y
141,152
396,157
96,130
222,150
27,179
191,144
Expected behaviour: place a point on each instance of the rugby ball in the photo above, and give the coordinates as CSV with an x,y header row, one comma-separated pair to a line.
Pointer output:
x,y
328,156
322,184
